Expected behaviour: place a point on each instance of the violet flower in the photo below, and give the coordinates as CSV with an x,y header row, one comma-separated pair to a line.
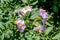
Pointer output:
x,y
21,25
44,21
27,8
24,10
20,12
44,14
40,29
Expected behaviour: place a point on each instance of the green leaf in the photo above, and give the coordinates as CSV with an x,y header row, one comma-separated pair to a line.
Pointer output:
x,y
25,1
2,1
48,30
49,24
43,0
56,36
0,31
2,37
8,33
55,8
34,15
36,23
1,25
34,3
0,11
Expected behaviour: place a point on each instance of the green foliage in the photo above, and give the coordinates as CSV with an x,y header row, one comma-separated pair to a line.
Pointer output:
x,y
35,14
55,8
56,36
48,30
8,15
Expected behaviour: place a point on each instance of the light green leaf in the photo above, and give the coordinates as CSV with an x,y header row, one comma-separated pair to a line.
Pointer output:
x,y
34,15
8,33
36,23
25,1
56,36
48,30
1,25
2,37
34,3
49,24
0,31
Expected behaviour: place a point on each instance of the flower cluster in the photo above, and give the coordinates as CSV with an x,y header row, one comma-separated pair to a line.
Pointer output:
x,y
44,15
39,28
21,25
22,12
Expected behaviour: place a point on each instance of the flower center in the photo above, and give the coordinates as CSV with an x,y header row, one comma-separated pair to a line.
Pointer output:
x,y
26,8
21,12
20,25
37,28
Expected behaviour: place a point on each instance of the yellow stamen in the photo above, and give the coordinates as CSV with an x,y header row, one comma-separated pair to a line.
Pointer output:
x,y
21,12
37,28
44,10
20,25
26,7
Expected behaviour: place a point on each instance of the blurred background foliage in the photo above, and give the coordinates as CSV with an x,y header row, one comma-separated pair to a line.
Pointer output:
x,y
8,15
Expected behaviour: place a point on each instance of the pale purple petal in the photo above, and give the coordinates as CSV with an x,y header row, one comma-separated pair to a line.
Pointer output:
x,y
44,14
19,11
20,29
44,22
23,25
34,29
30,8
42,28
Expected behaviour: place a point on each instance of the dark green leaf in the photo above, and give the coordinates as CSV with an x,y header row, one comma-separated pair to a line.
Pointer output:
x,y
55,8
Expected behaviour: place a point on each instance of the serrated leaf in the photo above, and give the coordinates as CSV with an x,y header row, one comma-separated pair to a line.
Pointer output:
x,y
57,36
48,30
